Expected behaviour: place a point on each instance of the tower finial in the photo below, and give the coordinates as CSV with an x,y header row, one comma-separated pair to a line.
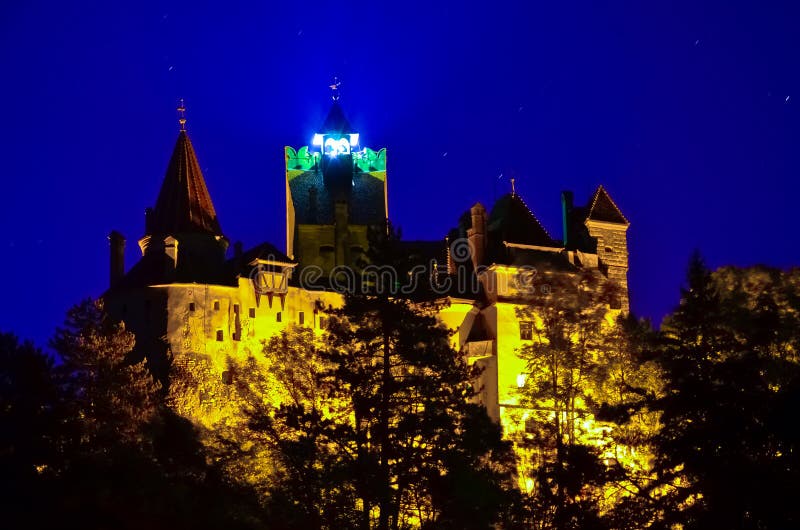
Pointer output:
x,y
513,187
182,114
335,94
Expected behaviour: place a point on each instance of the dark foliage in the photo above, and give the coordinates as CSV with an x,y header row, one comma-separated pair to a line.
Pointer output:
x,y
729,444
89,444
384,434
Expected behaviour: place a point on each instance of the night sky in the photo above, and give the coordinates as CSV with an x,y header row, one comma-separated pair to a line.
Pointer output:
x,y
688,113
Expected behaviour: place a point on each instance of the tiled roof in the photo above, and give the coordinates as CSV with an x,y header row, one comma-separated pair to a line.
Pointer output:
x,y
603,208
184,205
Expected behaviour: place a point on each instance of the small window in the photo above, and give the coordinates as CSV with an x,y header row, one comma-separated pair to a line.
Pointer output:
x,y
227,377
252,312
278,317
609,250
216,305
235,309
191,306
219,335
526,330
236,336
301,318
521,378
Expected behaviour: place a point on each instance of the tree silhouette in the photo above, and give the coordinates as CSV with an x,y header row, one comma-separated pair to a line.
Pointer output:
x,y
30,427
376,429
115,398
731,358
88,443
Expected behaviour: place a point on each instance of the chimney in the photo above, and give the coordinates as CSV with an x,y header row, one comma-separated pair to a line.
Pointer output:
x,y
566,215
117,243
477,234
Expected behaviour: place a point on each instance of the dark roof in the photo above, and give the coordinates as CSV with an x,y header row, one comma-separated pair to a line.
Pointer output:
x,y
204,267
602,208
265,251
184,205
336,122
197,263
313,203
511,220
539,259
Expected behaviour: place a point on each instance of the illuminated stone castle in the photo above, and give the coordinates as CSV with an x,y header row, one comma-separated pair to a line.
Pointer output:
x,y
195,301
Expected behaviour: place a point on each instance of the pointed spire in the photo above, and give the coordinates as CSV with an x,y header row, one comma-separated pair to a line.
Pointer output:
x,y
184,204
603,208
513,221
336,121
181,115
513,187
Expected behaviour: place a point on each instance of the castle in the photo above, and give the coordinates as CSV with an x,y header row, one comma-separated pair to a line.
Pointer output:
x,y
201,303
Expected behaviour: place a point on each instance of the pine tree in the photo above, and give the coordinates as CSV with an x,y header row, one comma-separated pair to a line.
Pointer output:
x,y
409,391
728,445
114,396
383,433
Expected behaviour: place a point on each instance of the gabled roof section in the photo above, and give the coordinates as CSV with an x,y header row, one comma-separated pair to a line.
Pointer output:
x,y
511,220
184,205
267,252
603,208
336,122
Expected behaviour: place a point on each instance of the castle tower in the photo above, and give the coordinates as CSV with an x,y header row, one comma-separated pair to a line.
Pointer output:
x,y
183,230
608,227
334,193
187,303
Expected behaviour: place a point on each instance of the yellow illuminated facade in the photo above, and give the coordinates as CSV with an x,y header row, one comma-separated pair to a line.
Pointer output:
x,y
201,307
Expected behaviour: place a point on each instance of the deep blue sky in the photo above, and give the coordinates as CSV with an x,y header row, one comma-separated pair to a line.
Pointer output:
x,y
687,112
